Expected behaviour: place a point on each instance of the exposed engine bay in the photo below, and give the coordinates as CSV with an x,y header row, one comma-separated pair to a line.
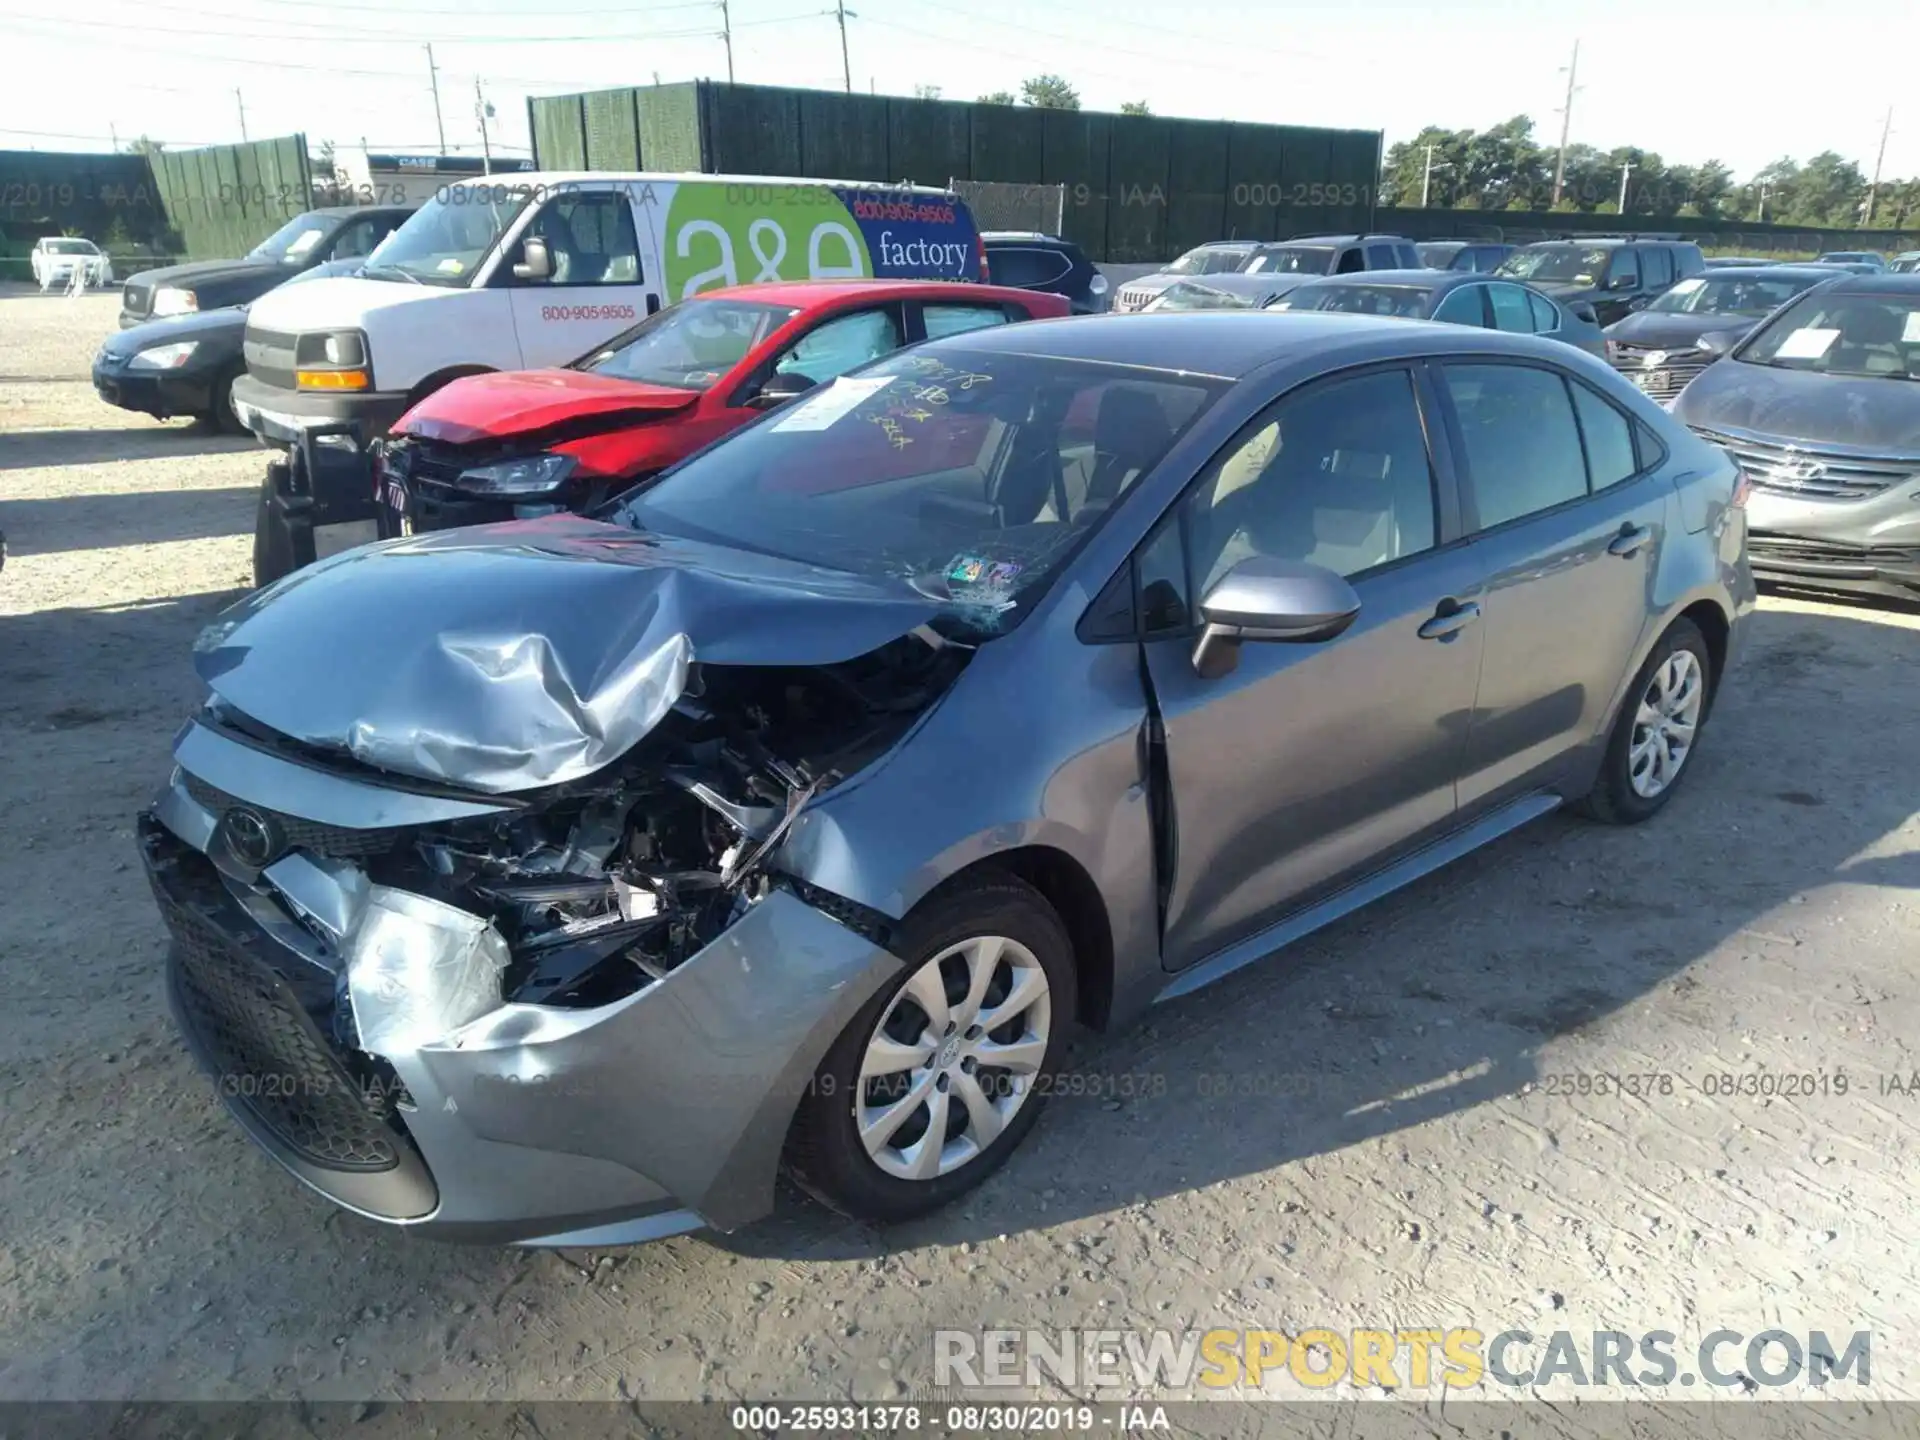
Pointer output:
x,y
603,885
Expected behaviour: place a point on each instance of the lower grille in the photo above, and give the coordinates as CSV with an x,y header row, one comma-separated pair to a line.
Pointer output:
x,y
335,841
1787,469
267,1055
1788,548
1663,379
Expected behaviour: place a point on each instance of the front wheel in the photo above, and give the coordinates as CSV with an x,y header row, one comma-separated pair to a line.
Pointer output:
x,y
941,1075
1657,730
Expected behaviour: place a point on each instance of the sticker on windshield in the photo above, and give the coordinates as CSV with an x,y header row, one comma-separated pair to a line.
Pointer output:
x,y
1688,286
452,265
1910,332
1808,344
834,402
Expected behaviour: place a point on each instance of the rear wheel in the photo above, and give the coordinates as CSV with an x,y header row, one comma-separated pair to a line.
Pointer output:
x,y
1657,730
940,1076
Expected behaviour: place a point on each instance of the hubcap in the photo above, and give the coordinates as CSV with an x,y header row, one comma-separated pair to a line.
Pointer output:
x,y
953,1058
1664,724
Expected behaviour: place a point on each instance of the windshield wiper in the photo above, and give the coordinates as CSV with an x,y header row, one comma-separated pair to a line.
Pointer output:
x,y
391,270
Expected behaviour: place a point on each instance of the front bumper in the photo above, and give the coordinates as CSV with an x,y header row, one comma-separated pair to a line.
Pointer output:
x,y
281,417
1867,546
535,1125
159,393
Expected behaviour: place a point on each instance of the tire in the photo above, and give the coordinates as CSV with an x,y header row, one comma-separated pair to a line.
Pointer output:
x,y
826,1155
222,416
1615,798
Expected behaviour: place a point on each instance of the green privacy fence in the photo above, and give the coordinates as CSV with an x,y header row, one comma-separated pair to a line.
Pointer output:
x,y
1139,188
225,199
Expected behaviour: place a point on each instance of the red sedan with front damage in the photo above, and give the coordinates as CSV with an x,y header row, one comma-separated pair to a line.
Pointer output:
x,y
522,443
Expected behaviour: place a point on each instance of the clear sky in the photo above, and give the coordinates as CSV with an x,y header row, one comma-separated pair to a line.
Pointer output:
x,y
1693,79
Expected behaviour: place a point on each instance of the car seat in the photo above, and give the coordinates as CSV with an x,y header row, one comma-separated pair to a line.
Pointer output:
x,y
1869,341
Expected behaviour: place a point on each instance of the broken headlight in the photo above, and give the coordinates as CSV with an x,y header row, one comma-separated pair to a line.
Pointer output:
x,y
529,475
417,970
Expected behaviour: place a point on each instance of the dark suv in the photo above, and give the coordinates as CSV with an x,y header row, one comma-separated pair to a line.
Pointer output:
x,y
1029,260
1616,276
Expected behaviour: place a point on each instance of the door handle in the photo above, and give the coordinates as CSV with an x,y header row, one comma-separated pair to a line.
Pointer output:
x,y
1628,542
1449,620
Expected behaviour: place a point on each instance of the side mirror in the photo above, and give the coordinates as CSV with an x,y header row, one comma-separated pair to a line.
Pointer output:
x,y
1717,343
536,261
1624,282
781,386
1266,599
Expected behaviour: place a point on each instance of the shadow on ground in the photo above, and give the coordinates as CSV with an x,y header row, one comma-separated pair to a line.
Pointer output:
x,y
154,440
49,525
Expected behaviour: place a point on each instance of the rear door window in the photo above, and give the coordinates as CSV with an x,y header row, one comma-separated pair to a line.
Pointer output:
x,y
1511,312
1519,439
1657,267
1464,306
941,320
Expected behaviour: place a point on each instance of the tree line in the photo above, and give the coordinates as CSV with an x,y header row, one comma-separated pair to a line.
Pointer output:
x,y
1504,168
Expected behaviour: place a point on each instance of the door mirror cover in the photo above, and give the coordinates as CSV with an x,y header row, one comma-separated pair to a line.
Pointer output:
x,y
1263,598
536,262
781,386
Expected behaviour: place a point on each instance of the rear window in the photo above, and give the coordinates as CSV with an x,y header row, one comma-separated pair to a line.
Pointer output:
x,y
1025,267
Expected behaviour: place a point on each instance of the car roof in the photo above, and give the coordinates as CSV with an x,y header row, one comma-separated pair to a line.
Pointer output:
x,y
1339,239
1412,279
810,294
1024,236
1229,344
1782,271
1882,282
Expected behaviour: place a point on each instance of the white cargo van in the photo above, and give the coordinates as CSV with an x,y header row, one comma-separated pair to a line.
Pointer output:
x,y
512,272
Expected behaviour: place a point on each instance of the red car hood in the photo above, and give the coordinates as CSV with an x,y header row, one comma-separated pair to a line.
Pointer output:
x,y
515,402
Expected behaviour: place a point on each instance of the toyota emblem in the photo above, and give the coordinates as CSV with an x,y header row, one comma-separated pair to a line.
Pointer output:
x,y
1799,470
253,838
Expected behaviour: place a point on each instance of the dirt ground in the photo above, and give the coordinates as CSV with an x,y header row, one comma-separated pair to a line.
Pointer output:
x,y
1372,1130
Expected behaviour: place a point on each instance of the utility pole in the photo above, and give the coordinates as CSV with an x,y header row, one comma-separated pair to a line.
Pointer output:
x,y
1426,177
1873,190
726,34
1566,124
113,134
433,79
1626,169
483,112
1762,219
238,100
846,71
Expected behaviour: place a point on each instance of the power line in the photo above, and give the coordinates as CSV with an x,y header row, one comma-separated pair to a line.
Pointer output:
x,y
386,37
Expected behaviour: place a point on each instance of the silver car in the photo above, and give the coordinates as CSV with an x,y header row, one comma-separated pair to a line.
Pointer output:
x,y
561,881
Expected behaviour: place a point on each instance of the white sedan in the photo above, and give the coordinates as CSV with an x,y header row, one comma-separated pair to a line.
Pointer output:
x,y
57,257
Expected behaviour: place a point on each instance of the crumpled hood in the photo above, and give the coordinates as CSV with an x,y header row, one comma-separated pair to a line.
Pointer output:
x,y
519,402
1799,407
508,657
1675,331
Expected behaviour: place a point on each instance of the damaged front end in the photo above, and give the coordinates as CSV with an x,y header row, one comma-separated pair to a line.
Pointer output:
x,y
584,1009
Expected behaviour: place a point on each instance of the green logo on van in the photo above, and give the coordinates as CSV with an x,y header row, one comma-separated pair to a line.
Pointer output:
x,y
738,234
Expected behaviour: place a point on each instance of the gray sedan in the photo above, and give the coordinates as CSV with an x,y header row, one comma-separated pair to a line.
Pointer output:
x,y
559,881
1452,298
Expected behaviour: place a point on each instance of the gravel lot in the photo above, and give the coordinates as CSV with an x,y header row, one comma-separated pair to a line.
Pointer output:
x,y
1390,1149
